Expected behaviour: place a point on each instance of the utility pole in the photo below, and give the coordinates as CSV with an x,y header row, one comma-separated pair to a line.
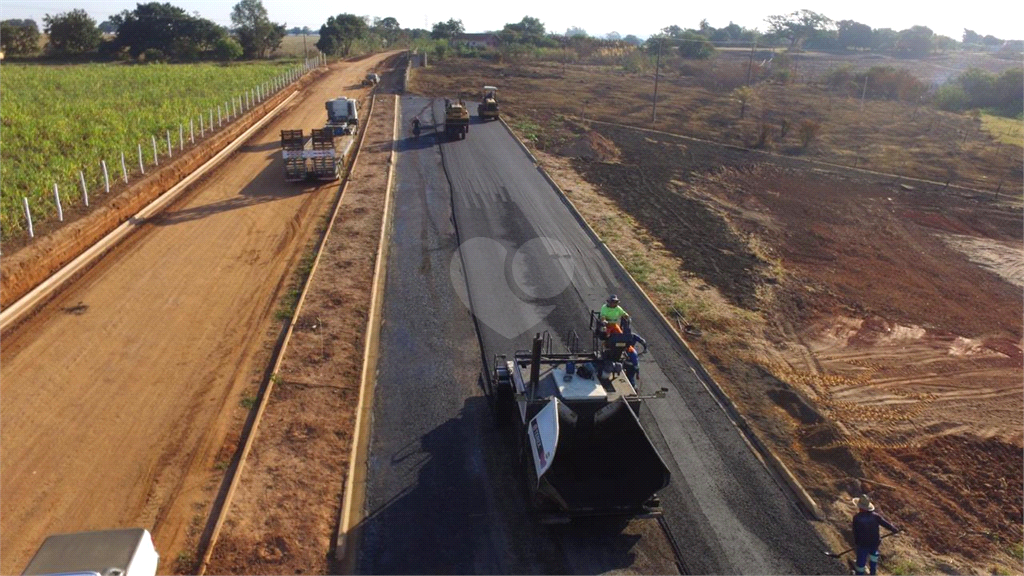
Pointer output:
x,y
657,72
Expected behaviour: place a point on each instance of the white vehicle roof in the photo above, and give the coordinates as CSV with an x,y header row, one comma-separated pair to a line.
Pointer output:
x,y
127,552
490,87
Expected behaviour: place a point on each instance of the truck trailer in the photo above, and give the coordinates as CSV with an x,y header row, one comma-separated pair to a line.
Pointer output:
x,y
313,158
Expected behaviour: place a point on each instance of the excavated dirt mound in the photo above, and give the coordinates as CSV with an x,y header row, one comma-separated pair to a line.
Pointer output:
x,y
591,146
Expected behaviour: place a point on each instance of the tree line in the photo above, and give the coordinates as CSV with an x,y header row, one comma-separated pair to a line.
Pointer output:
x,y
156,31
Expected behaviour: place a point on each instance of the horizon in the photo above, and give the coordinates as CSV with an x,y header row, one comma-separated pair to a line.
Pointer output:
x,y
599,19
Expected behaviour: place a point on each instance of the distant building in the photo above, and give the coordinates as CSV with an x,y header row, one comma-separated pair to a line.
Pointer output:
x,y
485,40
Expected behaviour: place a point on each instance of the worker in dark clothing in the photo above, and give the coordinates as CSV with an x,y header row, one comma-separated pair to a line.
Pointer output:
x,y
632,364
866,524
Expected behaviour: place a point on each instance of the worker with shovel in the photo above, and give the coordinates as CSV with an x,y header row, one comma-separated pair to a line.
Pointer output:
x,y
866,539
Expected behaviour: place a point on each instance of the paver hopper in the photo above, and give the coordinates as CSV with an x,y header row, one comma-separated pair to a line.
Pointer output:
x,y
574,418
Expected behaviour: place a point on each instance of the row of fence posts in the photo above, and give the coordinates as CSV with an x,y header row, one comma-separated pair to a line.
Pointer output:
x,y
238,105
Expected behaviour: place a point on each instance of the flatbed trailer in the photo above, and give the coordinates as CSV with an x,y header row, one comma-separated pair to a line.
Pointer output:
x,y
313,158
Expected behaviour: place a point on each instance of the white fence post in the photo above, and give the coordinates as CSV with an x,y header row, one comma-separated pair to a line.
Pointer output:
x,y
142,167
156,158
181,138
169,147
211,119
85,191
220,121
226,113
202,131
28,216
56,196
234,111
106,176
123,169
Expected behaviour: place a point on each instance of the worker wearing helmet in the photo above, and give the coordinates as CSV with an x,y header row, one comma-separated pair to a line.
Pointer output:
x,y
612,313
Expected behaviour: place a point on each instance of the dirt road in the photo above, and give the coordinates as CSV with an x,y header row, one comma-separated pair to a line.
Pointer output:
x,y
122,399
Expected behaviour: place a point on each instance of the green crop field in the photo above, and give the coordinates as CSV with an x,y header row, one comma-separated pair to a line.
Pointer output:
x,y
58,120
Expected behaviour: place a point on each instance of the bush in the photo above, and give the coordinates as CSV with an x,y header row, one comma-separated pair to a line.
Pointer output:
x,y
441,49
636,62
19,37
808,132
764,135
892,84
842,78
153,55
951,98
227,49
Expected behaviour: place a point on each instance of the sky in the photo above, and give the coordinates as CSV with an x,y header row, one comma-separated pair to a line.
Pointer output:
x,y
642,18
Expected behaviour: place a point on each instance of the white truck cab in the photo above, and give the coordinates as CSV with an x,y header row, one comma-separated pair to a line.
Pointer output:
x,y
128,552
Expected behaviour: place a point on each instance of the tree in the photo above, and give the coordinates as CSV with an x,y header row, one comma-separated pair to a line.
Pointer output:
x,y
529,30
672,31
388,28
339,32
735,31
798,26
19,37
575,31
256,33
945,43
73,32
991,41
884,39
1008,92
916,41
167,29
632,39
971,37
693,45
108,27
854,34
449,30
613,36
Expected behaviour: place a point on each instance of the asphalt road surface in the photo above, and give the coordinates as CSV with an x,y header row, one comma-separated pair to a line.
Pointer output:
x,y
484,255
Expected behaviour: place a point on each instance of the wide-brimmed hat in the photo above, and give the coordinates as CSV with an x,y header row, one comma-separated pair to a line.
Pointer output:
x,y
864,503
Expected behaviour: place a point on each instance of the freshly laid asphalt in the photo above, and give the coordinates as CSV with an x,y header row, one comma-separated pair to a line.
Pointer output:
x,y
484,254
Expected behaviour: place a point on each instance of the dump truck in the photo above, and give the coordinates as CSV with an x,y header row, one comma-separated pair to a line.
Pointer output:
x,y
124,552
313,158
342,115
488,109
574,422
456,119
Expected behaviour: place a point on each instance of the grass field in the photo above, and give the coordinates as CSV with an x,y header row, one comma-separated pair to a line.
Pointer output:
x,y
291,46
59,120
